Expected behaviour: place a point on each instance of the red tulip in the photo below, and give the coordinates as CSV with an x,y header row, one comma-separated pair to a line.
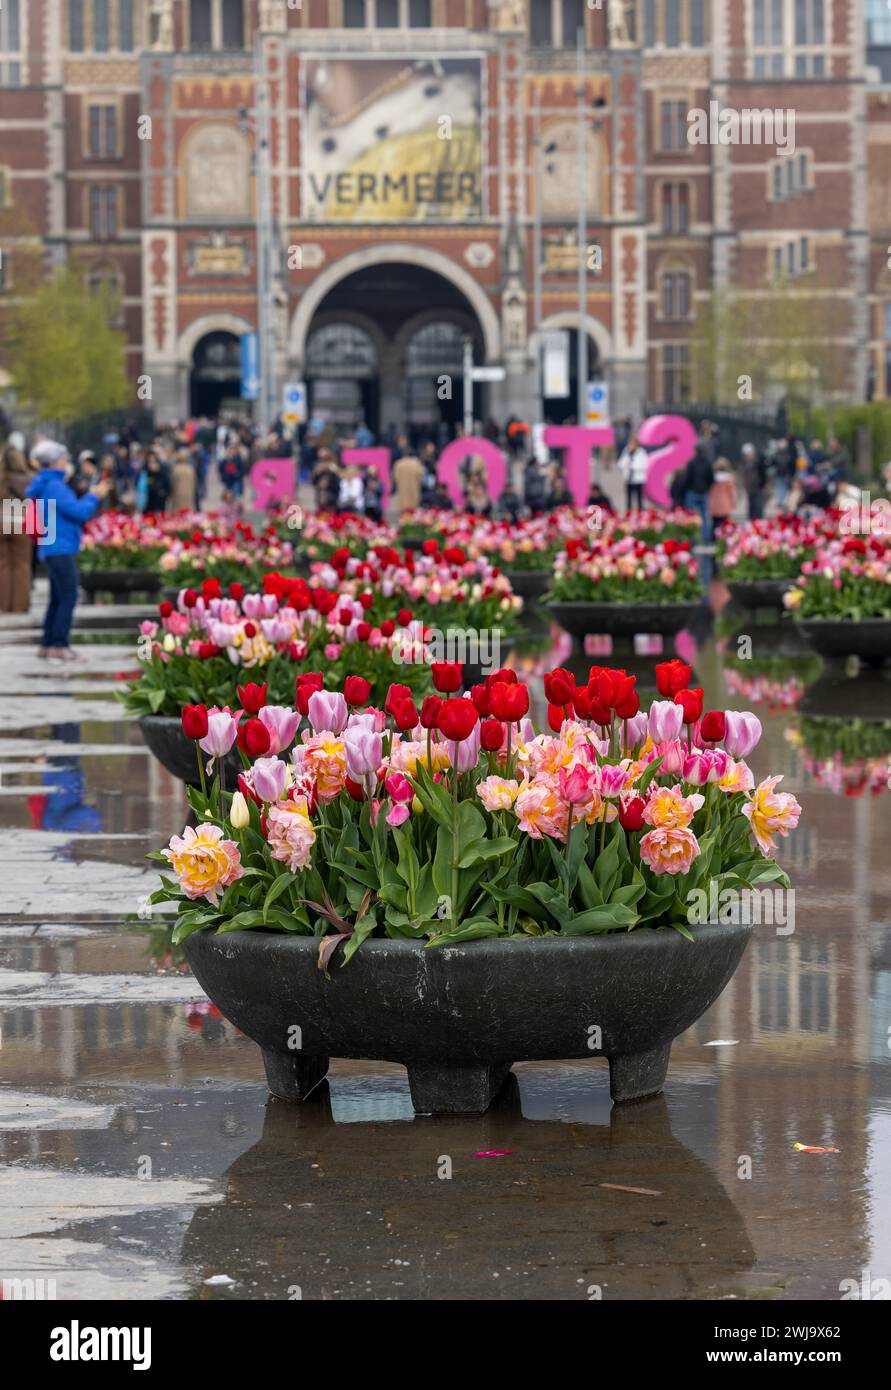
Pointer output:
x,y
491,735
627,706
253,738
447,676
405,714
430,711
194,720
672,676
457,718
631,813
307,684
558,686
396,692
587,704
211,589
363,631
480,697
252,697
714,726
691,703
165,609
190,598
404,617
356,690
556,715
508,702
505,676
388,627
236,591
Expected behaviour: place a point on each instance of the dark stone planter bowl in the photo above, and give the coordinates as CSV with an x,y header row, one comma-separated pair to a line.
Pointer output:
x,y
458,1016
530,584
759,593
870,640
122,581
164,736
623,619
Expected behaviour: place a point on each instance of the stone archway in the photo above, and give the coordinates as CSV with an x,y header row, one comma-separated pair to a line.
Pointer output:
x,y
204,400
394,253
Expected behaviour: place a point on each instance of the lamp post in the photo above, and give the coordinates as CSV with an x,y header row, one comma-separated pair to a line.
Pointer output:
x,y
265,234
582,341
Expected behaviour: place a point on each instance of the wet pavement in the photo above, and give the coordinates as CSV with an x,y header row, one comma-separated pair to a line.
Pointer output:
x,y
140,1156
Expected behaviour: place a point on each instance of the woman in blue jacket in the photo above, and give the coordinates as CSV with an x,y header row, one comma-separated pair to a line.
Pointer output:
x,y
61,517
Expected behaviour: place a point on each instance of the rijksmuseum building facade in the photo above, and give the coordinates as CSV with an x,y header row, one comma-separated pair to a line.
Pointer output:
x,y
424,184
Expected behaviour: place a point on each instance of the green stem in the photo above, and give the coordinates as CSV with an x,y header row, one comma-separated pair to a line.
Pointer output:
x,y
455,853
566,856
201,773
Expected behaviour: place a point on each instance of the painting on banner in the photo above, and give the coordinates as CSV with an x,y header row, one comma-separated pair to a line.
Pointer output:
x,y
392,139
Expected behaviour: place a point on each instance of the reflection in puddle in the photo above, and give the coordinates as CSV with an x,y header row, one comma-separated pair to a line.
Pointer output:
x,y
110,1055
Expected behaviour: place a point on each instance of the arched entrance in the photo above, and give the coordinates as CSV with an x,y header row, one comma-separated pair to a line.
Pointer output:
x,y
558,409
215,377
385,344
342,372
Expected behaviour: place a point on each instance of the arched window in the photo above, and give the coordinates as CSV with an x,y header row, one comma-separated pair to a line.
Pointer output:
x,y
340,350
233,24
200,24
673,23
125,26
438,347
216,23
674,285
555,23
674,203
100,26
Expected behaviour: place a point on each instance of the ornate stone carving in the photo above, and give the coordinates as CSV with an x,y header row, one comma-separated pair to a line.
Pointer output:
x,y
620,22
216,172
509,17
161,25
272,17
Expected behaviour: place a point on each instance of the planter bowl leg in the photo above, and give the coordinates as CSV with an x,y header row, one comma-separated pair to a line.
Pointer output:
x,y
293,1075
456,1088
635,1075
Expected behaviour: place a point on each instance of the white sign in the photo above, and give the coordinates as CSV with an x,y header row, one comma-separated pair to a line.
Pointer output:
x,y
598,403
555,363
488,374
294,403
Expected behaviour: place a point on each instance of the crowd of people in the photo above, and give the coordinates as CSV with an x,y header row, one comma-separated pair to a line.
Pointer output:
x,y
184,466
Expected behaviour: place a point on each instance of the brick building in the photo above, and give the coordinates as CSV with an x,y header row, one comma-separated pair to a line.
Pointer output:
x,y
424,184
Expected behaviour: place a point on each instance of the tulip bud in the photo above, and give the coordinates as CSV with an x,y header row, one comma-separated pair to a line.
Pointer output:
x,y
239,815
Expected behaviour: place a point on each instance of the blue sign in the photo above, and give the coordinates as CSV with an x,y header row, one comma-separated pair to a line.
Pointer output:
x,y
250,367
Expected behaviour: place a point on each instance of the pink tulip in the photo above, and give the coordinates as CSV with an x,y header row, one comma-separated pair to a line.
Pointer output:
x,y
281,724
742,733
399,787
612,779
637,729
222,731
328,710
672,755
664,720
268,777
578,784
467,754
695,767
398,814
364,750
